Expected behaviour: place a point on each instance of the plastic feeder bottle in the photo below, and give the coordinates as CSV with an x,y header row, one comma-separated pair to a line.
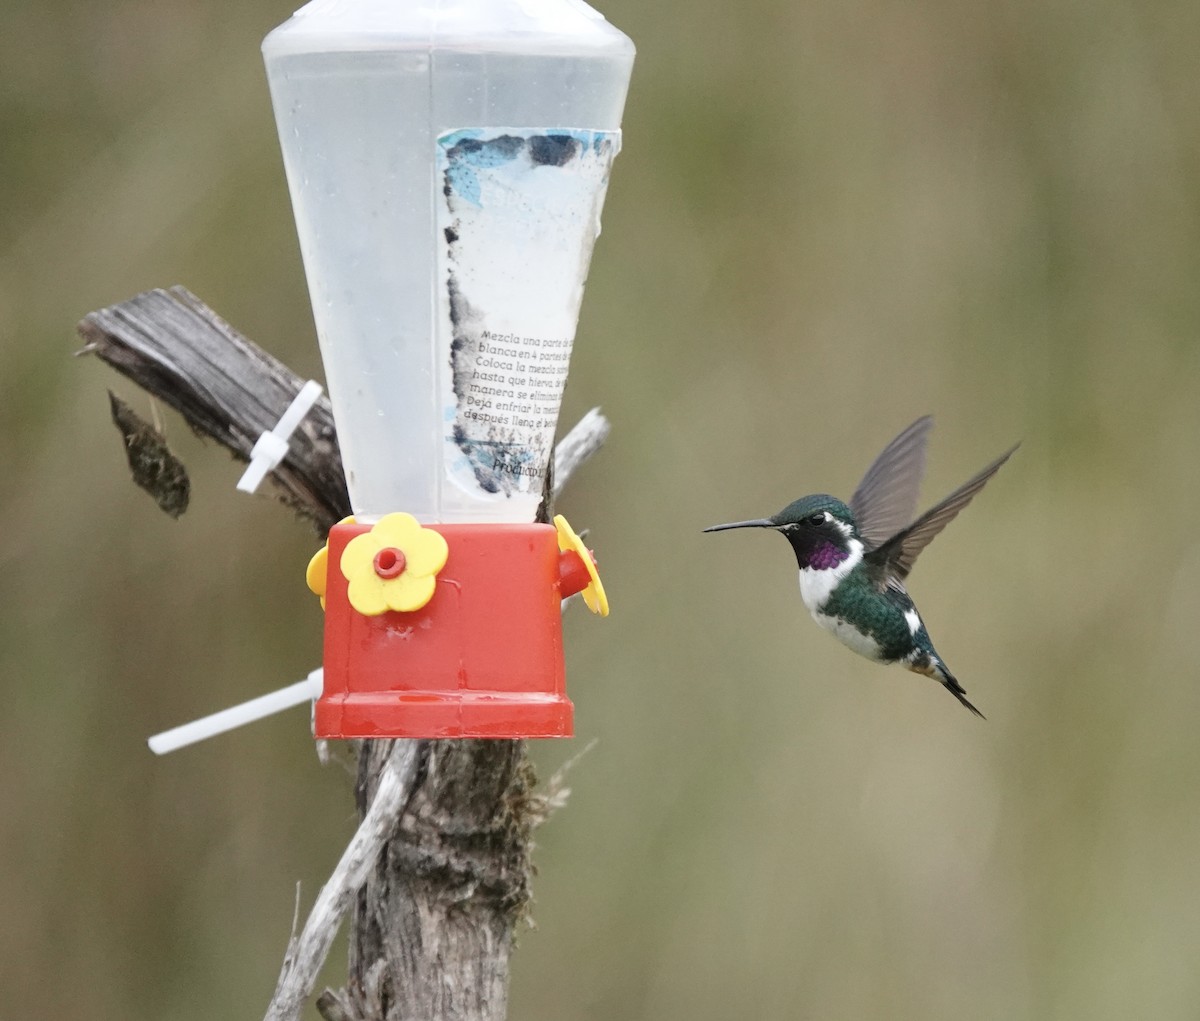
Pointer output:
x,y
447,162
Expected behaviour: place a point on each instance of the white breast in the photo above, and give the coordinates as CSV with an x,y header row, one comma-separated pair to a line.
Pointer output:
x,y
815,589
816,586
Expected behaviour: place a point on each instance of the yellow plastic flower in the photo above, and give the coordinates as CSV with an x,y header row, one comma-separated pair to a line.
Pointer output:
x,y
568,541
318,567
393,566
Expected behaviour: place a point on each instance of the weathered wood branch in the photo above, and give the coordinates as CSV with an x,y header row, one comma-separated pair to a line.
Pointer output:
x,y
175,347
306,953
439,871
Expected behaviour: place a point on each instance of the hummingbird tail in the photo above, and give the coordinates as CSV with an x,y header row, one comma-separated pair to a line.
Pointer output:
x,y
932,666
956,689
958,692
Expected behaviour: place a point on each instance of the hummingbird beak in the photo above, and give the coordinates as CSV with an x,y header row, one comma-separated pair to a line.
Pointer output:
x,y
753,523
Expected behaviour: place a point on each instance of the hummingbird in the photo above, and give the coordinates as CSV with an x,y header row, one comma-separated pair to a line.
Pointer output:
x,y
854,558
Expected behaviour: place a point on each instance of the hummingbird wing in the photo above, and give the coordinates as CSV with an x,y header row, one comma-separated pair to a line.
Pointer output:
x,y
895,558
886,499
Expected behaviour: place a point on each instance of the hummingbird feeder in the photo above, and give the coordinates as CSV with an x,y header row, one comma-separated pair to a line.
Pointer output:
x,y
447,162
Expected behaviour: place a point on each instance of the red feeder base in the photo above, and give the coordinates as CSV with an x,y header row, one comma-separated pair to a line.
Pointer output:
x,y
483,658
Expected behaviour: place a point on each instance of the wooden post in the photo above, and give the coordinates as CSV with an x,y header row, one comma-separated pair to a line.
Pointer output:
x,y
437,877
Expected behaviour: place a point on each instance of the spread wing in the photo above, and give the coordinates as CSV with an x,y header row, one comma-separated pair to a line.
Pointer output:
x,y
895,558
886,499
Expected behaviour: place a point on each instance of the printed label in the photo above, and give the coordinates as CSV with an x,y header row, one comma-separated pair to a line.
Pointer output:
x,y
520,213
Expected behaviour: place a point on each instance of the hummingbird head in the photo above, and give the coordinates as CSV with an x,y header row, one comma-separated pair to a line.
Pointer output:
x,y
820,528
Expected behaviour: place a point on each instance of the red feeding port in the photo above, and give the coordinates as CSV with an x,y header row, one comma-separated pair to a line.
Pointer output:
x,y
483,658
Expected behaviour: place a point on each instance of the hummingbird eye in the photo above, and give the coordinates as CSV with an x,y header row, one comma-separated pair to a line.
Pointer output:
x,y
817,519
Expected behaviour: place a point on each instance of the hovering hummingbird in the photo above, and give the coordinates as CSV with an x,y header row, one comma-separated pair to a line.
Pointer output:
x,y
854,559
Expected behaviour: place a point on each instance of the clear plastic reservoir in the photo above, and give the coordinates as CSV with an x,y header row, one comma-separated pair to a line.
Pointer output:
x,y
447,162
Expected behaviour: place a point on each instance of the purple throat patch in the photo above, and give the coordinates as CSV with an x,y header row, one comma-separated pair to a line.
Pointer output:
x,y
827,555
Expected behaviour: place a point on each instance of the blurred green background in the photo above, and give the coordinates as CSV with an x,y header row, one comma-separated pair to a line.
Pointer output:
x,y
827,220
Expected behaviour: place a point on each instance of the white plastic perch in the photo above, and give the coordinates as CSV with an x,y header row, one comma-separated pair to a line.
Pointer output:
x,y
238,715
272,447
